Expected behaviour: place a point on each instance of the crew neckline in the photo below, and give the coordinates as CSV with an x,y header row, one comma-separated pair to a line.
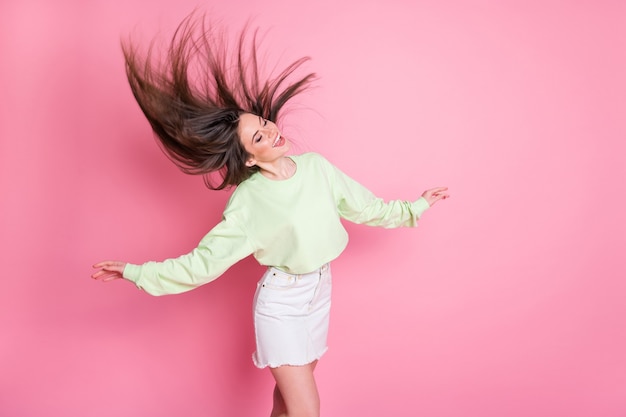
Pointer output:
x,y
295,174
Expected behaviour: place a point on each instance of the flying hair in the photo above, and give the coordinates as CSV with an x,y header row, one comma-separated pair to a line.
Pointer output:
x,y
194,92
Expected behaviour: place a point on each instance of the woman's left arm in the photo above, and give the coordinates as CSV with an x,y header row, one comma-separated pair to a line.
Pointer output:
x,y
359,205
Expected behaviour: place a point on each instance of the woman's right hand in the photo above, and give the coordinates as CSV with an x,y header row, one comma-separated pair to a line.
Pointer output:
x,y
109,270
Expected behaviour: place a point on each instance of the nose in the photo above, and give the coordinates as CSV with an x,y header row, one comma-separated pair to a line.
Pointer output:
x,y
271,132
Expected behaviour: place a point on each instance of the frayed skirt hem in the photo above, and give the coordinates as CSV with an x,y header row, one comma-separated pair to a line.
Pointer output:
x,y
260,365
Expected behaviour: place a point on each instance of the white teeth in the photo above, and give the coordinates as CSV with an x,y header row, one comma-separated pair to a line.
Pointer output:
x,y
276,141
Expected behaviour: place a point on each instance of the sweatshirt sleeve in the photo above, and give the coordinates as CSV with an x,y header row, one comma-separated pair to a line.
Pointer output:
x,y
222,247
359,205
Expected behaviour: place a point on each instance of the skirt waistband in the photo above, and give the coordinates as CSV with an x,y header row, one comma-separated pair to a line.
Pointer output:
x,y
319,270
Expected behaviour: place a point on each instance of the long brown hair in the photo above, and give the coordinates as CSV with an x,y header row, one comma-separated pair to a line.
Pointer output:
x,y
194,96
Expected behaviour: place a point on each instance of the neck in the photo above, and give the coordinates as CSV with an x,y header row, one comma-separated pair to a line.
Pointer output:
x,y
281,169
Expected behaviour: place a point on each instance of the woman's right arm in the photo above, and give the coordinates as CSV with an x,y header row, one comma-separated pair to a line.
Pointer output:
x,y
222,247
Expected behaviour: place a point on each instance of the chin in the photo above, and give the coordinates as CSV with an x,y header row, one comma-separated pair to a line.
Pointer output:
x,y
284,148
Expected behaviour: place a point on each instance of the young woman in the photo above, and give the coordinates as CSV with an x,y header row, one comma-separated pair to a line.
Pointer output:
x,y
285,210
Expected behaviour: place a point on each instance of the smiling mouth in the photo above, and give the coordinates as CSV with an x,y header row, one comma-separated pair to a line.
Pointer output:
x,y
276,141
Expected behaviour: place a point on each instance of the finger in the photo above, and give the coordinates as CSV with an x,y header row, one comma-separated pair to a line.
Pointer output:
x,y
438,189
104,273
107,277
112,266
436,198
100,274
107,263
111,278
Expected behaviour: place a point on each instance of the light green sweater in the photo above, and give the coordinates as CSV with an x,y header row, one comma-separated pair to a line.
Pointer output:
x,y
292,224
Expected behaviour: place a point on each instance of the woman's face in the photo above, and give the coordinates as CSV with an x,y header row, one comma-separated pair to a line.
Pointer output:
x,y
261,139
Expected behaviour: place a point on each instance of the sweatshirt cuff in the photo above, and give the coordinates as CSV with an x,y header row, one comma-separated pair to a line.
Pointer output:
x,y
132,272
420,206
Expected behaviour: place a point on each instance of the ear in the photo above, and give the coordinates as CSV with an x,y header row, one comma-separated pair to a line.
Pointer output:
x,y
250,162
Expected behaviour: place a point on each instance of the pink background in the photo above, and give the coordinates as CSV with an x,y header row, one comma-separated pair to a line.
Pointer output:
x,y
508,300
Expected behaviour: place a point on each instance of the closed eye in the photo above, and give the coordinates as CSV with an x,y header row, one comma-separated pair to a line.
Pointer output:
x,y
263,122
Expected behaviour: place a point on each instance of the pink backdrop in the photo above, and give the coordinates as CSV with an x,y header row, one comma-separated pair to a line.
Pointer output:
x,y
508,300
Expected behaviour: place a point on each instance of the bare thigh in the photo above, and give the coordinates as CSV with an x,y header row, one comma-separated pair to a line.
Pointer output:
x,y
298,389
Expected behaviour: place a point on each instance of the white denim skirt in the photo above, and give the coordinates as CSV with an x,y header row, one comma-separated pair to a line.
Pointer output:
x,y
291,315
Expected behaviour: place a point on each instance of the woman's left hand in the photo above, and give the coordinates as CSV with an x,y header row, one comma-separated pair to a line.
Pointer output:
x,y
435,194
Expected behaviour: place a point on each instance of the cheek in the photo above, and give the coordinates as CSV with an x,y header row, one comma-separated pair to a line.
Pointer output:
x,y
248,147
